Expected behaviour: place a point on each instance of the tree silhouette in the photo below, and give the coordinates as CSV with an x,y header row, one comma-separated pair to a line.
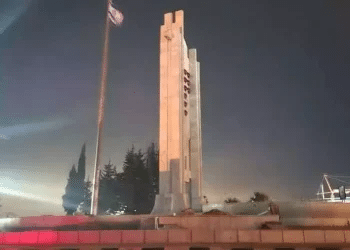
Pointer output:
x,y
152,165
134,166
71,197
132,190
109,172
81,175
74,194
136,181
111,194
81,163
259,197
231,200
85,206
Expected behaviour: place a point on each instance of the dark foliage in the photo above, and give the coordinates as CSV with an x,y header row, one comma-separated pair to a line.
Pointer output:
x,y
133,190
74,194
152,165
111,194
137,180
81,163
85,206
231,200
259,197
81,175
71,197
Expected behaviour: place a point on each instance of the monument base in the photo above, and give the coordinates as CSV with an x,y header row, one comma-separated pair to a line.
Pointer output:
x,y
197,204
170,204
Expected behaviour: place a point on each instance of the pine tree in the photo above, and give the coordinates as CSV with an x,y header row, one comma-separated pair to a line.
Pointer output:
x,y
105,192
81,163
111,195
109,172
85,206
128,165
136,181
81,174
74,194
70,201
142,184
134,166
152,165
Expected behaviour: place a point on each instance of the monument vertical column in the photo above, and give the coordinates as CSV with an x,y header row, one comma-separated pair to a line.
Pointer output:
x,y
165,68
196,133
171,198
175,189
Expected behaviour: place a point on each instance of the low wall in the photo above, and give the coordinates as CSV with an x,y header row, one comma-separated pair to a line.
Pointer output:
x,y
296,209
226,239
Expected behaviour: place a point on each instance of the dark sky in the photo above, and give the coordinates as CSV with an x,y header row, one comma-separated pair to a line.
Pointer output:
x,y
274,81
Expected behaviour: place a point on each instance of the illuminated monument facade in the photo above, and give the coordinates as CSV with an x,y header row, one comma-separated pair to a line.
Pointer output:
x,y
180,143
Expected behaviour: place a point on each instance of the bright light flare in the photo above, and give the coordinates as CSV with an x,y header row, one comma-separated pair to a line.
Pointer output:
x,y
32,128
11,192
11,11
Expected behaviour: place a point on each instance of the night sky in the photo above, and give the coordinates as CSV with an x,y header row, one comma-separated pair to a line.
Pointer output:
x,y
274,82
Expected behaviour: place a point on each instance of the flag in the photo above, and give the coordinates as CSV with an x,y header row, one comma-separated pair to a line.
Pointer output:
x,y
115,15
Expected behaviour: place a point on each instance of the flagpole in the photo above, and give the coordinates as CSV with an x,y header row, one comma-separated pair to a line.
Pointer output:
x,y
100,122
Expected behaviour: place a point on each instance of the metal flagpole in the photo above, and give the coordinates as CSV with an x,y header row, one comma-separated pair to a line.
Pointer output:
x,y
101,105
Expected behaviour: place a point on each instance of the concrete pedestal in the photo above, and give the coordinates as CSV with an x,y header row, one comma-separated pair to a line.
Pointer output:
x,y
170,204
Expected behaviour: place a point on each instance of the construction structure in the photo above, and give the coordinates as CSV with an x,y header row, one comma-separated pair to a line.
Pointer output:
x,y
334,189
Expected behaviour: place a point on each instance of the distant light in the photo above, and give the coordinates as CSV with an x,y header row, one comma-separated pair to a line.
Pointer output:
x,y
3,137
216,205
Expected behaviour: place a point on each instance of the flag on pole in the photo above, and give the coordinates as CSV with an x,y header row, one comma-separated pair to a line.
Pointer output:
x,y
115,15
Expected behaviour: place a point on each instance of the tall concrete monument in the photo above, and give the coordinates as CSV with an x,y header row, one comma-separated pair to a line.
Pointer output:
x,y
180,143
